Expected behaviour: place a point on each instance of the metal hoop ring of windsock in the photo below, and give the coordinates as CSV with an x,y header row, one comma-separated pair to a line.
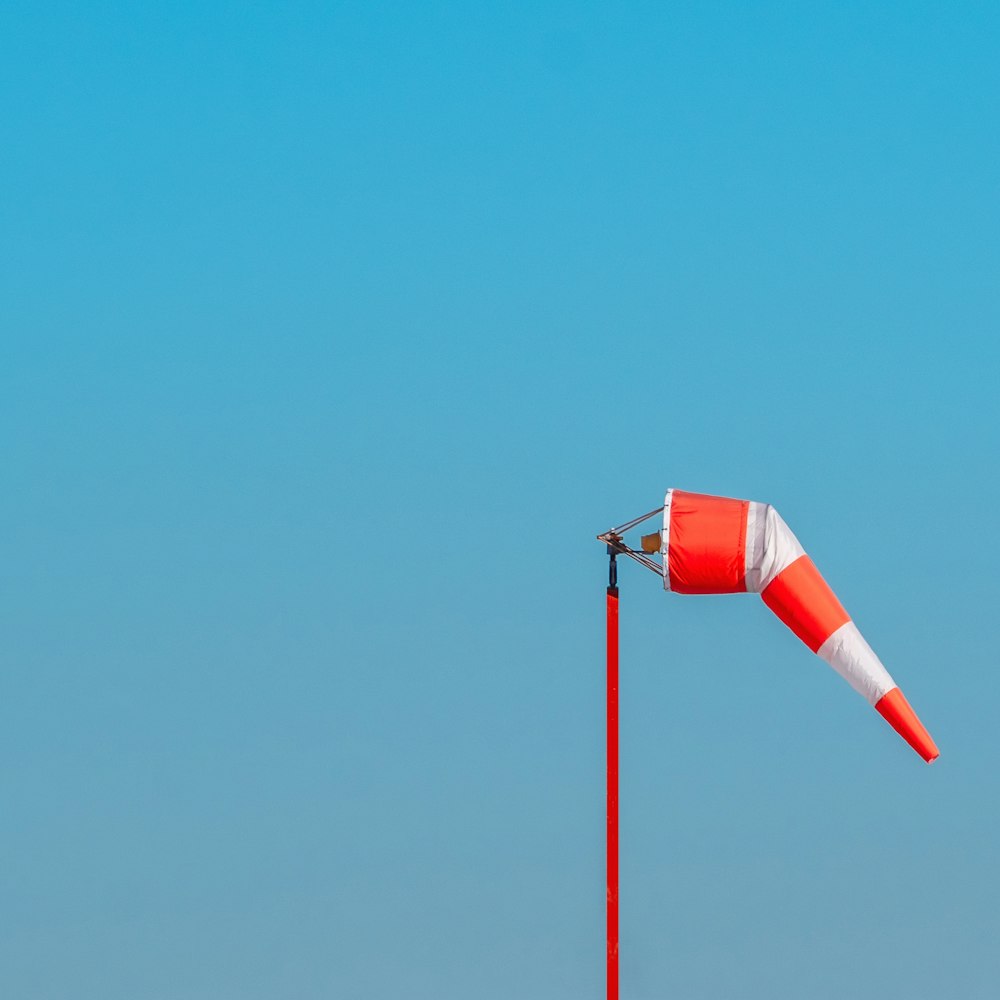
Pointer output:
x,y
717,545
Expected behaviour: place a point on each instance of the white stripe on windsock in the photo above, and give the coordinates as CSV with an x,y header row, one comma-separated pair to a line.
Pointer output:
x,y
756,529
848,652
781,549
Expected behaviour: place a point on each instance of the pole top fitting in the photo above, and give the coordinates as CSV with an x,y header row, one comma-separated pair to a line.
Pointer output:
x,y
616,546
614,542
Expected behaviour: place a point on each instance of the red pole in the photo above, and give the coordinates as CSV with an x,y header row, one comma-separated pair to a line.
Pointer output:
x,y
612,752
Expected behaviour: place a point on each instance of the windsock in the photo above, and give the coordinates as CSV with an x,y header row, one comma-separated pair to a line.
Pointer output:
x,y
715,545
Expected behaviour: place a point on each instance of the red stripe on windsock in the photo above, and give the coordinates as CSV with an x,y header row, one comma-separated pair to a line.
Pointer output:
x,y
707,552
803,600
895,709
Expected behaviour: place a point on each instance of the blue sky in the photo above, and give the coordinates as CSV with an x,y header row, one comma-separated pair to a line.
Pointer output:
x,y
331,337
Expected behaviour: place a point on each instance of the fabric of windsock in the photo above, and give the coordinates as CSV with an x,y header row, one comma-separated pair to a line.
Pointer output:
x,y
716,545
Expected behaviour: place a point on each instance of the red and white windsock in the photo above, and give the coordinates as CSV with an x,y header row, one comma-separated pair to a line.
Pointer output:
x,y
715,545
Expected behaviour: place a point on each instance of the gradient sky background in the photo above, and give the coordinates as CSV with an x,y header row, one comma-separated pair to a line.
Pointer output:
x,y
332,334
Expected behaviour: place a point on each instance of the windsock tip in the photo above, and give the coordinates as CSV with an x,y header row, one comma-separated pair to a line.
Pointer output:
x,y
896,710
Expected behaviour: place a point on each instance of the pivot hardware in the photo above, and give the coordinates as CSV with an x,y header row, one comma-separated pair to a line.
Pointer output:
x,y
614,539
